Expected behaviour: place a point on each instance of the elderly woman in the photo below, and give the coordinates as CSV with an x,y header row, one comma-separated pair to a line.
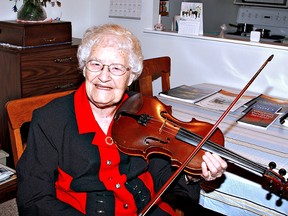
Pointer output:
x,y
69,169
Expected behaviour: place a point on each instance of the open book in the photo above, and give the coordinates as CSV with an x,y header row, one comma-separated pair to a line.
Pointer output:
x,y
190,94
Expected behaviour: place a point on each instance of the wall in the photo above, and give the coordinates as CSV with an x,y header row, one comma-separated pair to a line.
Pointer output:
x,y
78,12
149,16
196,60
215,13
193,60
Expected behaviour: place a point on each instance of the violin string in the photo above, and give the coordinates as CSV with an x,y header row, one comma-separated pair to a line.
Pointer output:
x,y
201,143
214,147
210,145
230,155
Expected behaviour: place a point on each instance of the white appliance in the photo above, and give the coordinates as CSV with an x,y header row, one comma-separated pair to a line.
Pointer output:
x,y
263,3
273,20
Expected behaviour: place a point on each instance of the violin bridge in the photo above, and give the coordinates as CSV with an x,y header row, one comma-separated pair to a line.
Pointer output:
x,y
160,129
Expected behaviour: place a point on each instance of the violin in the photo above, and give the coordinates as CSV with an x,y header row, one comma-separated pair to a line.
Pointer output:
x,y
153,130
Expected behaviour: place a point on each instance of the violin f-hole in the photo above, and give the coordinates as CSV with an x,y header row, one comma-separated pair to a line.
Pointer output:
x,y
148,140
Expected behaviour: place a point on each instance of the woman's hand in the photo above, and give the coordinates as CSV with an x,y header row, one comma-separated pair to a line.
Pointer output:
x,y
213,166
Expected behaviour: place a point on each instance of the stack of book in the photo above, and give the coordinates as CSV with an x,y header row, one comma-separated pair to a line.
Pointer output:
x,y
263,111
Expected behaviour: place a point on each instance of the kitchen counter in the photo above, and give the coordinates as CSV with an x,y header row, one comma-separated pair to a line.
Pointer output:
x,y
226,39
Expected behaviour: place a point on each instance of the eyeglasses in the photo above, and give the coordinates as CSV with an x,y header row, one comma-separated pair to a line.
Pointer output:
x,y
115,69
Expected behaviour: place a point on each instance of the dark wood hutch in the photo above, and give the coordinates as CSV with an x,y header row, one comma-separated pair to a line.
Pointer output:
x,y
35,70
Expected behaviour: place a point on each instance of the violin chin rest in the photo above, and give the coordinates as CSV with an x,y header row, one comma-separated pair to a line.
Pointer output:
x,y
132,105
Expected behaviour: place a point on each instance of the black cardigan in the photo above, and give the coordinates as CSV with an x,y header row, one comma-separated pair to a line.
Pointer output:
x,y
54,142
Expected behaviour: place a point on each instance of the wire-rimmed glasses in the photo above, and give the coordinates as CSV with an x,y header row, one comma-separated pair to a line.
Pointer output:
x,y
114,68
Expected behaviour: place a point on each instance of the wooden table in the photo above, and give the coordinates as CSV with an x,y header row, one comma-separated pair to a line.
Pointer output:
x,y
8,190
240,192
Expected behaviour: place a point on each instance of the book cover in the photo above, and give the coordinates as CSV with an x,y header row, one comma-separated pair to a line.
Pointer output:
x,y
190,94
258,118
268,107
276,105
222,100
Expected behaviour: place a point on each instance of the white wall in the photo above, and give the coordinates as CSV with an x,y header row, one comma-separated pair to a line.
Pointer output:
x,y
100,15
193,60
6,12
196,61
78,12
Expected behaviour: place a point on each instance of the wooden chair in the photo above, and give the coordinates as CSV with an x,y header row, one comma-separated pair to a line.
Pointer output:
x,y
153,69
20,112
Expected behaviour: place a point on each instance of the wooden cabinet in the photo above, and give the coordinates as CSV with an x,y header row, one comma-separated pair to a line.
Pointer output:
x,y
34,71
34,34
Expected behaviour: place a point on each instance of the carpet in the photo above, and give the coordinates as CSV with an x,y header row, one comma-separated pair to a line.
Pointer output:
x,y
9,208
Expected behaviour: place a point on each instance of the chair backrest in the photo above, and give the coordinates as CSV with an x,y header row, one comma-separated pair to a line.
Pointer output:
x,y
20,112
153,69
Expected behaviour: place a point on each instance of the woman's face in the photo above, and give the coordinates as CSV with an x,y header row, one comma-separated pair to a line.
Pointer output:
x,y
105,89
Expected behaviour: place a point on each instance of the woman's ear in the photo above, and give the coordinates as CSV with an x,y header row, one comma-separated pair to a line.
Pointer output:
x,y
84,72
131,78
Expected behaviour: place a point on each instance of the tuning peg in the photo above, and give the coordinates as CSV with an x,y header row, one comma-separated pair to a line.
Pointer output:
x,y
269,196
272,165
279,202
282,172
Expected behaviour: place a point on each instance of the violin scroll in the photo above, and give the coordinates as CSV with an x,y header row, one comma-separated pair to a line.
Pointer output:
x,y
276,183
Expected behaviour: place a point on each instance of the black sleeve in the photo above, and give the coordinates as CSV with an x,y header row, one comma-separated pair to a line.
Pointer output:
x,y
161,171
37,173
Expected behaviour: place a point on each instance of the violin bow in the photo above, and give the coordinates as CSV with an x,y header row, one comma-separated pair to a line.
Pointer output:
x,y
202,142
